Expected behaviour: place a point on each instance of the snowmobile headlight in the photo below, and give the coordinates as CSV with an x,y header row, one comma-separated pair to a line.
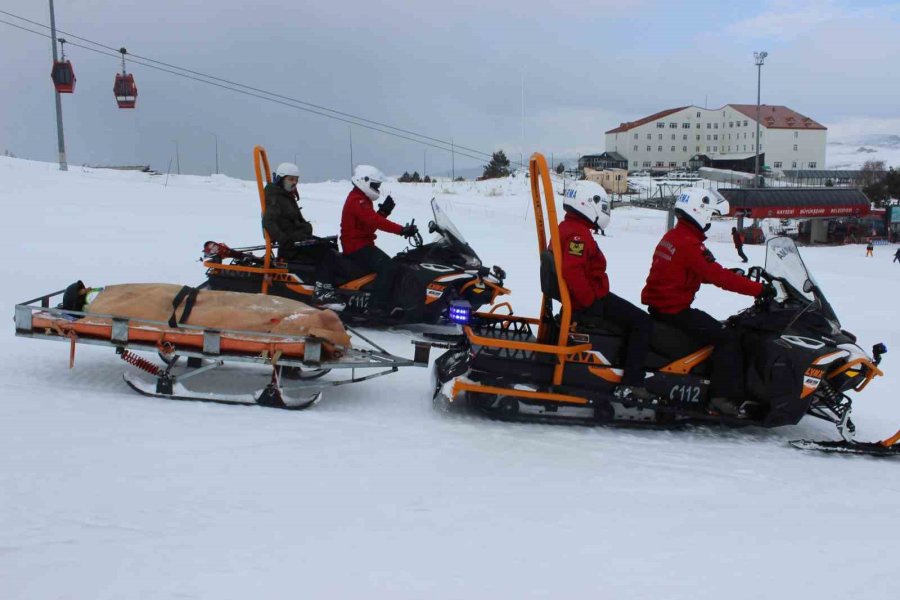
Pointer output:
x,y
460,311
472,262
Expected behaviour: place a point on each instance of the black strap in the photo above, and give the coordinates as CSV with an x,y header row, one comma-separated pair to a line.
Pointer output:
x,y
188,295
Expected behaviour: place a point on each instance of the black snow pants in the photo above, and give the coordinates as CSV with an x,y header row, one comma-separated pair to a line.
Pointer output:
x,y
323,256
639,327
727,362
740,251
374,260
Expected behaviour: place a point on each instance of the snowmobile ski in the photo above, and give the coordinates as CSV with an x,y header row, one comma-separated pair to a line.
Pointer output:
x,y
888,447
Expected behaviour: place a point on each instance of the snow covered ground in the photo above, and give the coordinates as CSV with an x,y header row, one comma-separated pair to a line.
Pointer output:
x,y
107,494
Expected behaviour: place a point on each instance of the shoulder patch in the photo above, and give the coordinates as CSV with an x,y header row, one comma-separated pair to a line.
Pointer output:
x,y
707,254
576,247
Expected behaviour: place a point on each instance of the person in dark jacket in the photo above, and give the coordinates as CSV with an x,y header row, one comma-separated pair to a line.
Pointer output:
x,y
360,221
897,255
681,264
584,271
293,234
738,243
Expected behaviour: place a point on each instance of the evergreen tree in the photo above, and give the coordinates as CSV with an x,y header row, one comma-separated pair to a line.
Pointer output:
x,y
416,178
498,167
427,179
560,169
405,178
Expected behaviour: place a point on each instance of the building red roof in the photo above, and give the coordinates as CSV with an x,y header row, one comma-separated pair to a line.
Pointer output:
x,y
639,122
777,117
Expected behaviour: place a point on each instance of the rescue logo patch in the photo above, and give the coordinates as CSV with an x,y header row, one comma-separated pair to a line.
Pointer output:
x,y
576,247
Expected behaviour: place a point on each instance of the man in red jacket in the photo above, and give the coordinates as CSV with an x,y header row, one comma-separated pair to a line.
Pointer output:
x,y
360,221
584,271
681,263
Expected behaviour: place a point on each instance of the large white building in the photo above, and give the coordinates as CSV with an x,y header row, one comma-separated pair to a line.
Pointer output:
x,y
723,137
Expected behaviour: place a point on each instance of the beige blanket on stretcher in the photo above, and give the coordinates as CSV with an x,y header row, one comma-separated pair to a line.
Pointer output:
x,y
221,310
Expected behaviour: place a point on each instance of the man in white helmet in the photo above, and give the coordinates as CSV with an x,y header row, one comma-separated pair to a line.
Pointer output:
x,y
584,270
286,226
360,221
681,263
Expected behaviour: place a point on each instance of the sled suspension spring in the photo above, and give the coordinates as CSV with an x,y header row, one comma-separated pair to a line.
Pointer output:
x,y
139,362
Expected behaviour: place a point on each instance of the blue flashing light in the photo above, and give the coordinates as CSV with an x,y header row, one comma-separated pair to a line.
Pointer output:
x,y
460,311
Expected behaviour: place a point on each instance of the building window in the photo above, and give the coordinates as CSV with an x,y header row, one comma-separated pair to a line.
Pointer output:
x,y
673,136
661,125
649,136
649,148
659,148
715,125
698,115
730,123
778,164
673,125
708,137
660,136
753,134
715,148
729,148
709,125
707,148
796,134
698,125
635,136
795,147
794,165
716,136
812,165
684,164
646,163
685,125
745,122
698,138
673,149
660,163
635,148
745,135
684,148
745,147
634,163
673,164
698,149
684,137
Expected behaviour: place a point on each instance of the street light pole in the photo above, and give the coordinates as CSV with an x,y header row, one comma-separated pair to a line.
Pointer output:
x,y
760,58
217,153
60,137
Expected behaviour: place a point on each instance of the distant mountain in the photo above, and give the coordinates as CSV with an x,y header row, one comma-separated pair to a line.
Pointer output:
x,y
852,153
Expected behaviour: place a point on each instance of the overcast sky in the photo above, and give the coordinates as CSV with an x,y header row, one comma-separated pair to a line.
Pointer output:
x,y
445,69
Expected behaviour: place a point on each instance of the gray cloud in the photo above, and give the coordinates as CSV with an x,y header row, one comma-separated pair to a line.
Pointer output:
x,y
446,70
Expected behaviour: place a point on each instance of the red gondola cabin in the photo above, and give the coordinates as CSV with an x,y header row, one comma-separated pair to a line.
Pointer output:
x,y
125,90
63,77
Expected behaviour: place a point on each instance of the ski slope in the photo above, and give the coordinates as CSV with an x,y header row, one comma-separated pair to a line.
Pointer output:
x,y
105,494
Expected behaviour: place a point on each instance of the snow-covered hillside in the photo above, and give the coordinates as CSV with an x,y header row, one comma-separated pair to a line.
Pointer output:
x,y
853,152
107,494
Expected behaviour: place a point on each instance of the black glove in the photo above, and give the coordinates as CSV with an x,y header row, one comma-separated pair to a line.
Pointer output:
x,y
768,293
387,207
409,230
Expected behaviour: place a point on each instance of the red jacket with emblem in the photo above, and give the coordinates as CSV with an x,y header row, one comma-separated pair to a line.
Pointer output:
x,y
681,263
359,222
583,264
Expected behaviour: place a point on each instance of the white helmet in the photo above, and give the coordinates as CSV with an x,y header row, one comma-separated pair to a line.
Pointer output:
x,y
286,170
368,179
699,206
589,200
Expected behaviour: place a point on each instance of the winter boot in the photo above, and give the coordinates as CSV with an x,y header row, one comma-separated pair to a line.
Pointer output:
x,y
324,294
635,393
726,407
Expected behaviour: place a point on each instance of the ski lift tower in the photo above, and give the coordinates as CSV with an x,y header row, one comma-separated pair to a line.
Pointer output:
x,y
60,137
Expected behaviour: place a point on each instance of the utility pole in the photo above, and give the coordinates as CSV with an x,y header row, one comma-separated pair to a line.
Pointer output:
x,y
177,159
217,153
424,162
60,137
452,161
760,58
350,131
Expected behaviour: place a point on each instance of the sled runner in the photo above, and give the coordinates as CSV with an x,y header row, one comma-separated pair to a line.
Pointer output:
x,y
566,366
436,283
296,361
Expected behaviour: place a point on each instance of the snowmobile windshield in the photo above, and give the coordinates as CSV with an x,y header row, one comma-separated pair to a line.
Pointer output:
x,y
446,226
783,261
452,237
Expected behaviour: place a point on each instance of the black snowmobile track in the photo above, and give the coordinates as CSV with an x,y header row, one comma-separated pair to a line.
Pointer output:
x,y
844,447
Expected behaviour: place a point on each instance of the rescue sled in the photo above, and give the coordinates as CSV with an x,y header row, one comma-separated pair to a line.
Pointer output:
x,y
562,366
439,284
294,363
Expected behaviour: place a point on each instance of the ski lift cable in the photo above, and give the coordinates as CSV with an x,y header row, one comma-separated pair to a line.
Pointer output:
x,y
117,56
451,147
